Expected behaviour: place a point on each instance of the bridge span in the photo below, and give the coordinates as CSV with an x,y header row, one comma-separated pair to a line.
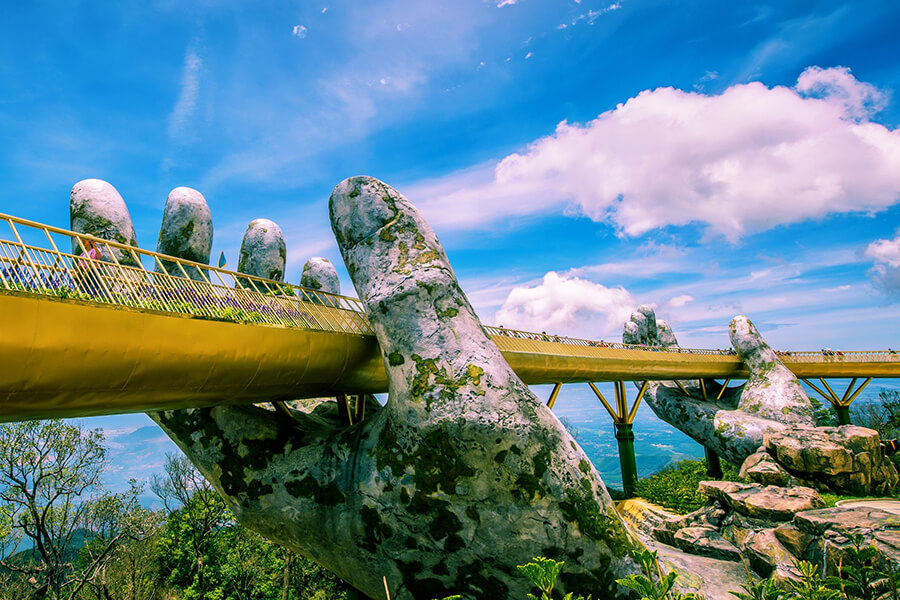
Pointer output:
x,y
133,330
136,330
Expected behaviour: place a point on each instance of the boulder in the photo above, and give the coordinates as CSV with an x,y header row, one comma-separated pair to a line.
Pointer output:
x,y
771,503
766,553
845,459
706,541
186,231
761,468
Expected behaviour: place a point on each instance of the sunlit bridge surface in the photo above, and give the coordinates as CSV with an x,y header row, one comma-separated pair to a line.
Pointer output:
x,y
136,330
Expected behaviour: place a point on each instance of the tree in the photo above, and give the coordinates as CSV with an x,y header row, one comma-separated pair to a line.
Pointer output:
x,y
51,499
196,515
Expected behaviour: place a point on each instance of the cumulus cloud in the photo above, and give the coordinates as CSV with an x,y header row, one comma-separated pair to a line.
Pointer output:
x,y
188,93
569,305
681,300
886,272
745,160
299,31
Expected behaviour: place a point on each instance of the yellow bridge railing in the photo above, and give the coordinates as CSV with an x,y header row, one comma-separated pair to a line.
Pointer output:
x,y
118,276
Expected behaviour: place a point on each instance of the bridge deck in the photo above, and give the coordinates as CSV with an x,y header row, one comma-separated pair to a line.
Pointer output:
x,y
88,337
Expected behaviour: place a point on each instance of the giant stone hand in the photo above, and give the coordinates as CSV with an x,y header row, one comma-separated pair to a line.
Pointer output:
x,y
733,426
461,476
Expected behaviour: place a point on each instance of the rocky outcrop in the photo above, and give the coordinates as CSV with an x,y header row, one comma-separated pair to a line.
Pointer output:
x,y
263,251
96,208
846,459
771,527
733,426
186,231
461,476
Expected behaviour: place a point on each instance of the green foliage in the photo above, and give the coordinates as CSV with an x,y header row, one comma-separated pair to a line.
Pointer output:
x,y
676,487
758,589
810,586
823,413
542,573
861,575
652,584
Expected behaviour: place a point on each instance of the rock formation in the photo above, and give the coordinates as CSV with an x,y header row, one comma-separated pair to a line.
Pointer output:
x,y
777,515
186,231
463,475
320,274
96,208
735,425
262,250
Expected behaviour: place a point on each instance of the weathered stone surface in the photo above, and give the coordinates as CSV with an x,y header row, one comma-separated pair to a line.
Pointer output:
x,y
186,231
761,468
733,426
771,503
646,517
320,274
842,459
719,490
766,553
263,251
846,521
463,475
711,577
706,541
795,541
96,208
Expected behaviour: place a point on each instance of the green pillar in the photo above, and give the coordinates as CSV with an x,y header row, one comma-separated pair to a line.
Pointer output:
x,y
843,414
625,437
713,466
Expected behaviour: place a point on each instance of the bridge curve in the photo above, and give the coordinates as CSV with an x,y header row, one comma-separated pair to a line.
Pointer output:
x,y
88,337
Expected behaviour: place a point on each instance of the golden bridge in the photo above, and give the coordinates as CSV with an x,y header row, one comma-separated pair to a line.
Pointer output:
x,y
135,330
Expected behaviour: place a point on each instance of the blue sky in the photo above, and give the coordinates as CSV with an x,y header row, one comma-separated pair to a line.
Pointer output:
x,y
576,158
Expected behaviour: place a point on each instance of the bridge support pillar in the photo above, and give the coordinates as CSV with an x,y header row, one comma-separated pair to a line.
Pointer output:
x,y
623,419
841,404
625,438
843,414
713,466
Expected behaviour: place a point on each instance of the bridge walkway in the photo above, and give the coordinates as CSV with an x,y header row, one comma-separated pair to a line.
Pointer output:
x,y
136,330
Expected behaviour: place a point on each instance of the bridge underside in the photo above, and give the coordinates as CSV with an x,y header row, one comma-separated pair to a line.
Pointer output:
x,y
68,358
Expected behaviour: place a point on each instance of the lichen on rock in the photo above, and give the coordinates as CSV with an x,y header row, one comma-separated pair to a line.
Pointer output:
x,y
96,208
263,252
186,231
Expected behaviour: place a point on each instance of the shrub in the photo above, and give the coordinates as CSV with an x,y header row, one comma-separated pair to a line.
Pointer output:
x,y
676,486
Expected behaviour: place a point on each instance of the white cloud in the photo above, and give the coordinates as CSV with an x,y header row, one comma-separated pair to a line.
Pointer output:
x,y
739,162
324,9
188,93
839,86
679,301
567,305
885,251
299,31
503,3
590,16
886,272
529,55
